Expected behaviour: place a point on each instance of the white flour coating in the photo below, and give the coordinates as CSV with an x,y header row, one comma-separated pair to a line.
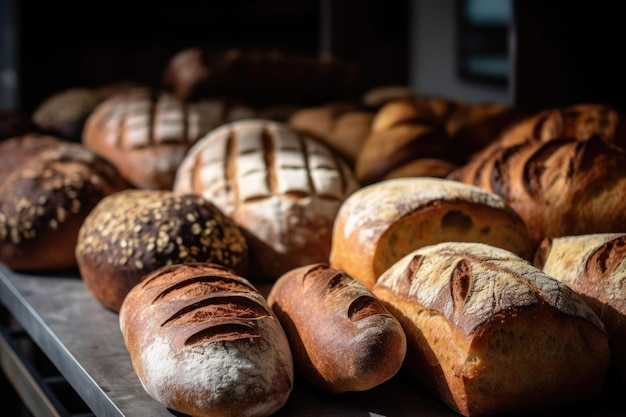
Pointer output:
x,y
571,269
369,211
501,281
218,373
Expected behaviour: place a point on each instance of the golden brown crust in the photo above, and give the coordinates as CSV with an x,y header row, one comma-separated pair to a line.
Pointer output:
x,y
282,188
204,342
470,313
594,266
341,336
44,201
134,232
380,223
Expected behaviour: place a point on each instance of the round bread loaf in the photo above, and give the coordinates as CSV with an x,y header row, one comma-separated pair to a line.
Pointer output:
x,y
51,188
204,342
146,133
382,222
560,187
133,232
490,334
594,266
342,338
282,188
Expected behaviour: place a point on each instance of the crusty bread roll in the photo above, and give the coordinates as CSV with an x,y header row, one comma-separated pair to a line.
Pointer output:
x,y
490,334
342,126
146,133
204,342
282,188
561,187
403,130
594,266
341,336
48,186
133,232
382,222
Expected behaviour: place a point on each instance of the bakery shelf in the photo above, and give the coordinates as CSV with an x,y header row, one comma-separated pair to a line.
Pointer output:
x,y
83,341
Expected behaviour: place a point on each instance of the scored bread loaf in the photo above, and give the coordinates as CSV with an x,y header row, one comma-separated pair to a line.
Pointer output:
x,y
490,334
594,266
204,342
48,187
146,133
342,338
382,222
133,232
281,187
560,187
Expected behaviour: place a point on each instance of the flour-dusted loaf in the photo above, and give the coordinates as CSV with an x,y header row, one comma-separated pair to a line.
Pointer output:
x,y
342,338
133,232
47,188
560,187
594,266
490,334
204,342
281,187
146,133
380,223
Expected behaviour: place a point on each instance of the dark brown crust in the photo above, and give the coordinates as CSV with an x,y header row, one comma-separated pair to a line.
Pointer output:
x,y
341,336
137,231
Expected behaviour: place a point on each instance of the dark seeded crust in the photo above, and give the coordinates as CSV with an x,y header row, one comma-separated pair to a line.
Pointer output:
x,y
471,313
134,232
204,342
45,201
342,337
15,151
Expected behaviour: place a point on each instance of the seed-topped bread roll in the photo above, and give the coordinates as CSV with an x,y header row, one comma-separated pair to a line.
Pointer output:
x,y
594,266
204,342
282,188
50,189
131,233
342,338
146,133
382,222
490,334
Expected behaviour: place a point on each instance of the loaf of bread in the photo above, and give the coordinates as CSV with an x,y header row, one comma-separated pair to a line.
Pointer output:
x,y
594,266
380,223
561,187
342,126
146,133
204,342
341,336
282,188
133,232
490,334
48,186
403,131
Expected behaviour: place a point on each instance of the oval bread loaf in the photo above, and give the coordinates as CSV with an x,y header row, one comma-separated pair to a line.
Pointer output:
x,y
490,334
342,337
131,233
382,222
204,342
594,266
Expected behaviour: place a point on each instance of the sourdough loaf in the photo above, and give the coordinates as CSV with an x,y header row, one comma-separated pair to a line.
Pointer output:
x,y
490,334
133,232
560,187
282,188
594,266
341,336
146,133
48,187
204,342
382,222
